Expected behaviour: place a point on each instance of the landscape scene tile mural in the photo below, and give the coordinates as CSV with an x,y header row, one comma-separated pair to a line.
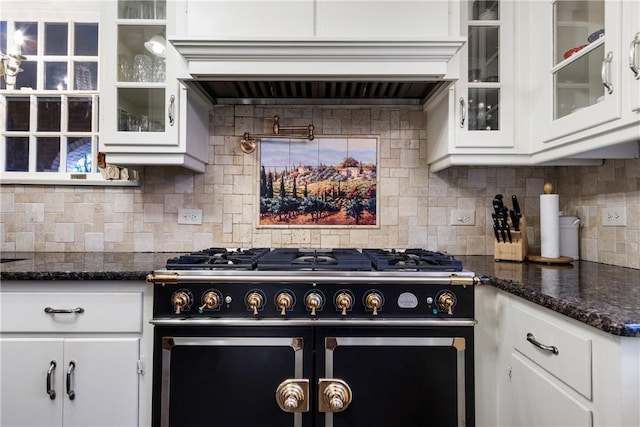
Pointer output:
x,y
324,182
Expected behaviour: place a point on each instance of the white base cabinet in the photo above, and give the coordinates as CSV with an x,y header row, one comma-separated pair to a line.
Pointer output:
x,y
92,382
583,377
72,354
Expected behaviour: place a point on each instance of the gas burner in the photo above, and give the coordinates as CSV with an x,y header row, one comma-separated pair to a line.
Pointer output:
x,y
218,259
314,259
412,260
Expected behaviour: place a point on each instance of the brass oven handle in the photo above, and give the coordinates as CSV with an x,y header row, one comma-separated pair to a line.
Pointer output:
x,y
292,395
70,392
550,348
334,395
50,391
51,310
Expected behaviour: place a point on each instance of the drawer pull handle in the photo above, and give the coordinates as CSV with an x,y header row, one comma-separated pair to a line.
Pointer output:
x,y
70,392
550,348
50,391
50,310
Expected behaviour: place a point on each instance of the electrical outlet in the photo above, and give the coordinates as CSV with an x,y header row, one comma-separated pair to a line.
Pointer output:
x,y
190,216
463,217
612,217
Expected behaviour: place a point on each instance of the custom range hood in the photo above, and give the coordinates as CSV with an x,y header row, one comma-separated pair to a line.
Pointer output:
x,y
320,49
317,69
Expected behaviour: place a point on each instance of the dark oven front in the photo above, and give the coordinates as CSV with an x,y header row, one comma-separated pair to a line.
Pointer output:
x,y
373,373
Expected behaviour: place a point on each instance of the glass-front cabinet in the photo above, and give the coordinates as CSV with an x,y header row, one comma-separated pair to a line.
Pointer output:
x,y
148,117
485,90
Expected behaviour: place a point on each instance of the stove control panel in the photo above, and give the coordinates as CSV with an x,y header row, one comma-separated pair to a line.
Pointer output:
x,y
360,300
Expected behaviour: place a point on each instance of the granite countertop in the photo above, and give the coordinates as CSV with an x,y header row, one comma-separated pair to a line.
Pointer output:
x,y
603,296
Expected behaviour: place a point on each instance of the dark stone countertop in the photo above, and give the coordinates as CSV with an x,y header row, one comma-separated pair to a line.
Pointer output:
x,y
603,296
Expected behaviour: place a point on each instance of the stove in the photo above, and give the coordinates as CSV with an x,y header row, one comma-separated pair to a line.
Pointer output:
x,y
316,328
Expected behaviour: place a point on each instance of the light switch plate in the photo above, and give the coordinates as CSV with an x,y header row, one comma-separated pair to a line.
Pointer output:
x,y
612,217
463,217
190,216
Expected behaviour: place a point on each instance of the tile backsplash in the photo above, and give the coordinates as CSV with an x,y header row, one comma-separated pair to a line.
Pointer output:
x,y
414,205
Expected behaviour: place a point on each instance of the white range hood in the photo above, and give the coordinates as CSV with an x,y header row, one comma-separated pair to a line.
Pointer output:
x,y
402,60
391,42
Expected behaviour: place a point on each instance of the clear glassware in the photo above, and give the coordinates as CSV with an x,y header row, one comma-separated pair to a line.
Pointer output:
x,y
159,69
142,68
125,68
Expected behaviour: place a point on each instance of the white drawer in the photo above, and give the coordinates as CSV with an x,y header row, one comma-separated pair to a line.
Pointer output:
x,y
101,312
571,364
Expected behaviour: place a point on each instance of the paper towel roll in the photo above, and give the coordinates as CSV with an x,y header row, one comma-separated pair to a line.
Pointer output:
x,y
550,225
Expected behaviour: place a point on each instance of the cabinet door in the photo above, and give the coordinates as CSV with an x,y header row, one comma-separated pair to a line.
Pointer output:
x,y
101,373
139,91
485,96
583,76
538,400
631,41
24,366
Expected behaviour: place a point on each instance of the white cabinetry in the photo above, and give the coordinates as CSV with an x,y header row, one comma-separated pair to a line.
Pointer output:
x,y
473,121
553,370
70,358
147,116
587,92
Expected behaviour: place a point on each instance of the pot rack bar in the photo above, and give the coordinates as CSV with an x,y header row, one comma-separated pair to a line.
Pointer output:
x,y
249,141
346,278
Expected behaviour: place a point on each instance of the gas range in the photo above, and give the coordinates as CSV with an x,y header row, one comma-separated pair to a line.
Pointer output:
x,y
313,284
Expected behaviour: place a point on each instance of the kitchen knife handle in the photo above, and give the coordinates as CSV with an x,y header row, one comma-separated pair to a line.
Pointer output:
x,y
516,204
463,112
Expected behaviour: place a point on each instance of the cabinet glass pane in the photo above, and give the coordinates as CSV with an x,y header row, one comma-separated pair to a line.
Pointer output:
x,y
484,109
142,9
484,10
135,61
17,154
579,84
27,78
484,54
18,109
576,24
48,154
141,110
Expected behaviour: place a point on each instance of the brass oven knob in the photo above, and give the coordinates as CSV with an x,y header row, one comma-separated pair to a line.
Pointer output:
x,y
344,302
373,301
314,301
292,395
180,301
446,301
255,301
284,301
211,300
334,395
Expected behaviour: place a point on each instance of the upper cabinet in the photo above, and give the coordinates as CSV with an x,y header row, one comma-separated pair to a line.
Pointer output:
x,y
474,120
585,53
145,108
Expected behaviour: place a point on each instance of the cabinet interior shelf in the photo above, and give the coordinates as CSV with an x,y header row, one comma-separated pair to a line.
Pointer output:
x,y
576,56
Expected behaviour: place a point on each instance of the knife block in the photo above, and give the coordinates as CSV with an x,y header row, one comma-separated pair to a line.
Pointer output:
x,y
517,249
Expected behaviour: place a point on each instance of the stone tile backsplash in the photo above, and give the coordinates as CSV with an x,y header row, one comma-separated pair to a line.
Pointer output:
x,y
414,205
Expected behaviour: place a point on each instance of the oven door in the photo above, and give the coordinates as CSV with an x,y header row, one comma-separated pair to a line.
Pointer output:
x,y
232,377
395,377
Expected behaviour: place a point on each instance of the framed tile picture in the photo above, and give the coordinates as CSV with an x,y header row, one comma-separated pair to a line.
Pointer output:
x,y
327,182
